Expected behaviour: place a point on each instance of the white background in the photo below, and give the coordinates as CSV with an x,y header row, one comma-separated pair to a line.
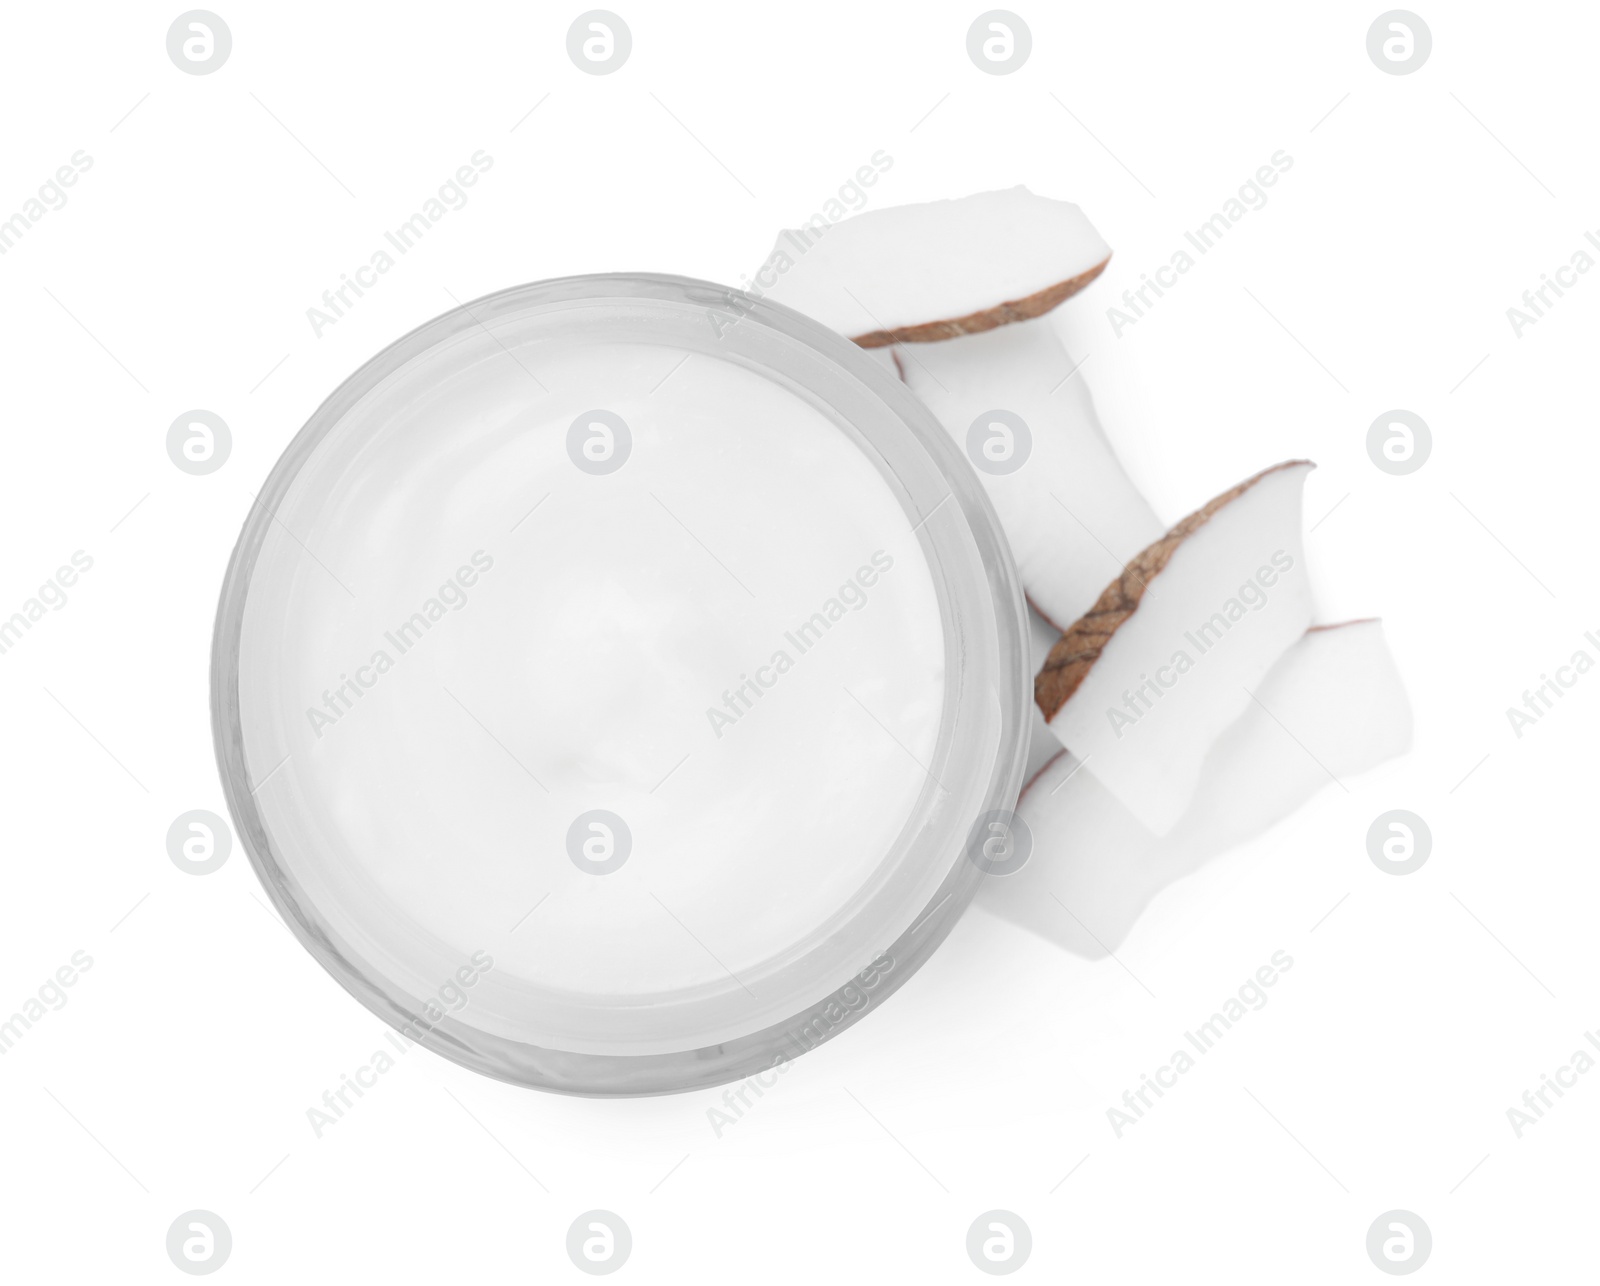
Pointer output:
x,y
178,276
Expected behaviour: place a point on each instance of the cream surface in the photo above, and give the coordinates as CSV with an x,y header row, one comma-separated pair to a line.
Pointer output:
x,y
463,641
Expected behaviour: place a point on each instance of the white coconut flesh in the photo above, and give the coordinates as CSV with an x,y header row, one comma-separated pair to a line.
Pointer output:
x,y
1142,685
915,273
1155,667
1017,407
1333,706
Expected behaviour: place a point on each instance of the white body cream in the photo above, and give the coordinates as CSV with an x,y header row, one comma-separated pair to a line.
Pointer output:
x,y
731,642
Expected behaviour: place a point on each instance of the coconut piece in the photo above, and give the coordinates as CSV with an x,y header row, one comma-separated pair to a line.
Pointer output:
x,y
1333,706
1071,514
1042,743
914,273
1142,685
